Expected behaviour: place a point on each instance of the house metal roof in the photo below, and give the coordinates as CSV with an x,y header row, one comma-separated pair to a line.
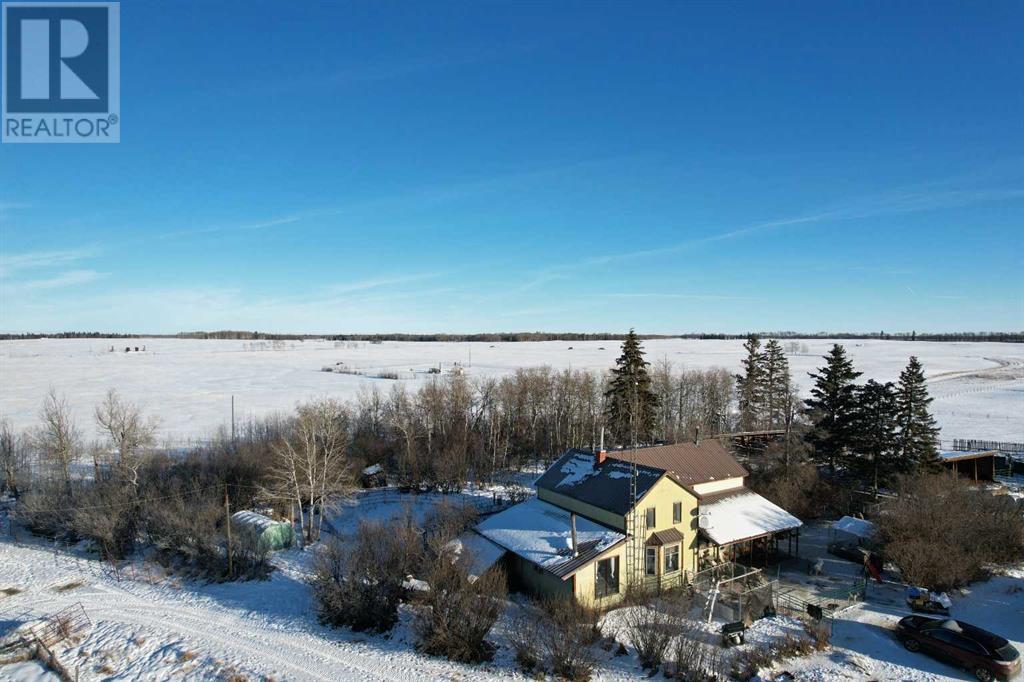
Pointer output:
x,y
743,516
688,463
577,474
542,534
665,537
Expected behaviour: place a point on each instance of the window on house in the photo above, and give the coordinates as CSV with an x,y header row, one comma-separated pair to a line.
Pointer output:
x,y
650,517
607,577
672,558
651,561
677,512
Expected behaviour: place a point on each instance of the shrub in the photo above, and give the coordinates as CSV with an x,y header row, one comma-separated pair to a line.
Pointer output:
x,y
650,624
47,510
696,660
459,610
567,631
445,522
523,635
942,533
107,514
357,582
749,661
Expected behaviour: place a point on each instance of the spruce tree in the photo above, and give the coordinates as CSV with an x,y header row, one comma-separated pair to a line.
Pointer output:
x,y
776,384
873,431
918,433
632,405
750,386
831,406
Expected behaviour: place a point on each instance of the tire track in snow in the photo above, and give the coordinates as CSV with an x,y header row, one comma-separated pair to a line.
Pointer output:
x,y
247,641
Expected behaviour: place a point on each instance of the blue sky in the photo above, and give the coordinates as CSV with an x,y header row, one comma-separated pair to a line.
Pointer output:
x,y
417,167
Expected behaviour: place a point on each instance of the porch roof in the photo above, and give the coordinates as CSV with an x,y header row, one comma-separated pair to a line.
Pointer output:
x,y
665,537
744,515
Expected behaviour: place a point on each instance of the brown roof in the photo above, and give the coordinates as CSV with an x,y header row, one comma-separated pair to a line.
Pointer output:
x,y
688,463
665,537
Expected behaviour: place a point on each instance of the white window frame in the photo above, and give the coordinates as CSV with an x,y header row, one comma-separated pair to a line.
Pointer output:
x,y
678,554
650,567
677,506
650,518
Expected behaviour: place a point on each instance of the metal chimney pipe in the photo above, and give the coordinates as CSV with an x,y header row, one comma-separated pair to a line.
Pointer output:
x,y
575,547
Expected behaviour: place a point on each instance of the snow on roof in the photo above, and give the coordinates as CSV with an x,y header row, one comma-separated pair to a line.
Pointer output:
x,y
577,474
953,455
254,520
744,516
854,526
482,552
576,468
542,534
372,469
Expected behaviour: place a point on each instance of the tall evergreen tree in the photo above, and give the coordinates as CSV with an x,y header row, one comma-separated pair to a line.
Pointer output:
x,y
750,386
918,433
831,406
776,384
873,430
632,405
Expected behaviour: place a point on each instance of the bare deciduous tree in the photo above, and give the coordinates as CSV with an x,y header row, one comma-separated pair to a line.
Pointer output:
x,y
310,465
129,432
13,458
58,438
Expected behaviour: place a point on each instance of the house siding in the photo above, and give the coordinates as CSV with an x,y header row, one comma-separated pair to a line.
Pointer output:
x,y
614,521
531,579
718,486
662,496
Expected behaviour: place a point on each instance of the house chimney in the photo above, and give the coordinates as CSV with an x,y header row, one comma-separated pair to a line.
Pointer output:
x,y
696,435
602,454
575,548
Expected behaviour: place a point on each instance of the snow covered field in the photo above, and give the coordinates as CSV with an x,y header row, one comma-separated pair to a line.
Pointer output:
x,y
979,387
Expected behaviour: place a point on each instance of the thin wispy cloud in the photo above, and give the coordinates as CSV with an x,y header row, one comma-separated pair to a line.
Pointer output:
x,y
243,227
61,281
888,204
378,283
677,296
11,263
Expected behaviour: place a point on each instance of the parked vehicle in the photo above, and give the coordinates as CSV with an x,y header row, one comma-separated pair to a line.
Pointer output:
x,y
847,550
987,655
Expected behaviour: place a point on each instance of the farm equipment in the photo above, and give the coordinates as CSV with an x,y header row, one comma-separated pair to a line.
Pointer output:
x,y
733,634
920,599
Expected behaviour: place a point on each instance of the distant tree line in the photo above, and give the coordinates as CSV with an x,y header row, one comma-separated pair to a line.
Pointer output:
x,y
507,337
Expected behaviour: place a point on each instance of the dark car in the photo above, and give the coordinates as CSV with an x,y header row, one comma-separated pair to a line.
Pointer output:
x,y
847,550
985,654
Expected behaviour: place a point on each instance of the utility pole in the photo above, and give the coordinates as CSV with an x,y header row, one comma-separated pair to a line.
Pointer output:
x,y
232,419
227,512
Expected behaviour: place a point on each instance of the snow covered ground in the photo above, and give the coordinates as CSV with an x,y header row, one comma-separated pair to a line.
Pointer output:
x,y
148,625
979,387
156,627
863,647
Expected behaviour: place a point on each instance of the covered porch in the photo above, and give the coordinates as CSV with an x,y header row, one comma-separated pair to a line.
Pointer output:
x,y
745,528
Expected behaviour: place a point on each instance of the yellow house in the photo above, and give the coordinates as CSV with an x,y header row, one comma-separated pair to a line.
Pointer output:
x,y
605,522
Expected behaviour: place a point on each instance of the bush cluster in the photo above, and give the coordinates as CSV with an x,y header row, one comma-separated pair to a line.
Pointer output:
x,y
941,533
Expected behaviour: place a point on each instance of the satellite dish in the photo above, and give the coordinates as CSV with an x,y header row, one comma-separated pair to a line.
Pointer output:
x,y
704,522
